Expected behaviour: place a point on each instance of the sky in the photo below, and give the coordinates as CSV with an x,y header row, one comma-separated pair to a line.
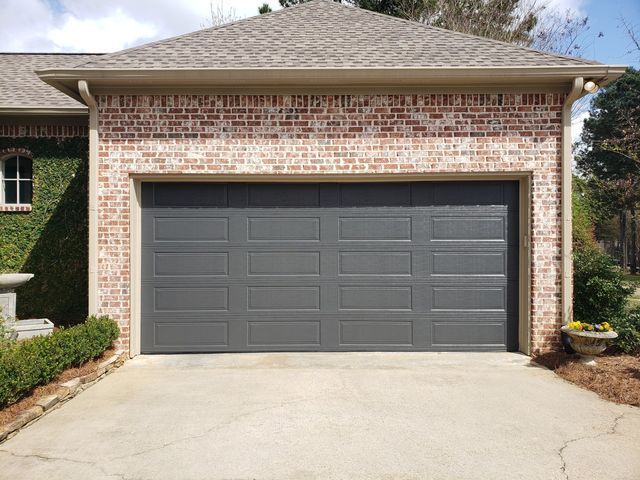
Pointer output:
x,y
111,25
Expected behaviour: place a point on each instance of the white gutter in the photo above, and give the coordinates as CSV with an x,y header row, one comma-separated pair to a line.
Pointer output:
x,y
66,79
577,91
43,111
83,89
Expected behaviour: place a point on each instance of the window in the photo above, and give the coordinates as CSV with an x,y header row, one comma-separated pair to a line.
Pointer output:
x,y
17,180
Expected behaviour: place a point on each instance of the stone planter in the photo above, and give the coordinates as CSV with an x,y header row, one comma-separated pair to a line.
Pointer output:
x,y
33,327
589,344
9,281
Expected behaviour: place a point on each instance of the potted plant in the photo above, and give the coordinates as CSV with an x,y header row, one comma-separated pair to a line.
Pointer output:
x,y
589,339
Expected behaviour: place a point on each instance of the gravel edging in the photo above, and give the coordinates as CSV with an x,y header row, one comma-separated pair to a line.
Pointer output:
x,y
65,392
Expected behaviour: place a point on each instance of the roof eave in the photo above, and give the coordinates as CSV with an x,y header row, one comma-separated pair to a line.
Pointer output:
x,y
66,80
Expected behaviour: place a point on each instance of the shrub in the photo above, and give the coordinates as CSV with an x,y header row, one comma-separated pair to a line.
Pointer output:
x,y
33,362
600,293
628,329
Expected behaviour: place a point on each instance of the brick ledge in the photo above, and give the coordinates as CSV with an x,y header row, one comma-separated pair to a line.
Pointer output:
x,y
6,207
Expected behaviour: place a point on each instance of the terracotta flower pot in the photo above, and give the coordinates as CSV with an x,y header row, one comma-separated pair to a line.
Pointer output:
x,y
589,344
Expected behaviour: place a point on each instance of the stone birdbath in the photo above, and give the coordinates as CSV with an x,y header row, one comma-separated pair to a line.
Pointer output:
x,y
589,344
23,328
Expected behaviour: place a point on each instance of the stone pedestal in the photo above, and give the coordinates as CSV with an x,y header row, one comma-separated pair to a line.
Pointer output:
x,y
9,282
8,303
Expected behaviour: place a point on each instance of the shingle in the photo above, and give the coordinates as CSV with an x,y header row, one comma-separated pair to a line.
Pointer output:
x,y
20,87
325,34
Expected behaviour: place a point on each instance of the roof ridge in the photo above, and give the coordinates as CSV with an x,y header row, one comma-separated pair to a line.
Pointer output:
x,y
195,32
467,35
235,43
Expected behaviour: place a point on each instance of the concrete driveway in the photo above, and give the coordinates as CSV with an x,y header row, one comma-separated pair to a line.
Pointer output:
x,y
330,416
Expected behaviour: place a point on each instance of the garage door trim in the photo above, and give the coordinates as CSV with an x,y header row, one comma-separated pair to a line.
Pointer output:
x,y
524,179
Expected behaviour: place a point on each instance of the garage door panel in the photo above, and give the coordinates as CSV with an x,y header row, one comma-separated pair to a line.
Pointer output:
x,y
285,263
380,195
190,298
190,229
301,195
468,228
375,263
166,264
279,333
195,334
375,298
469,298
375,229
283,229
410,266
362,332
283,298
468,333
478,263
184,194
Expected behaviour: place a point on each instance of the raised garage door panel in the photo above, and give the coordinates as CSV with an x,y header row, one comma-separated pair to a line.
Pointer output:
x,y
362,266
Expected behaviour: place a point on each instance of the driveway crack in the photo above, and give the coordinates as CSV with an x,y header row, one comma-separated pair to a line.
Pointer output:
x,y
611,431
209,430
48,458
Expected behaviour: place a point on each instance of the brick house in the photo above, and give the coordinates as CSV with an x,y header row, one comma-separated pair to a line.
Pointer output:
x,y
328,178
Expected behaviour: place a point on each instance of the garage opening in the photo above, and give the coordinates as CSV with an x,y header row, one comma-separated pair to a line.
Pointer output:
x,y
414,266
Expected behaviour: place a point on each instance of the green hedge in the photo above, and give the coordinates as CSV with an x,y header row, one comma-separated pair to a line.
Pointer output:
x,y
27,364
50,241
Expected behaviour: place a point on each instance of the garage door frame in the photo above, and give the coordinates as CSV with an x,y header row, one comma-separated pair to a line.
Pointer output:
x,y
135,215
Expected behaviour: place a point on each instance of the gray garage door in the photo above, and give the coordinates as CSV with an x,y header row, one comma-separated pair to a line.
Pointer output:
x,y
359,266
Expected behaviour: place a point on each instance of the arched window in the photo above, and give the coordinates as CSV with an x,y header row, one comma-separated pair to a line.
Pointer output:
x,y
17,180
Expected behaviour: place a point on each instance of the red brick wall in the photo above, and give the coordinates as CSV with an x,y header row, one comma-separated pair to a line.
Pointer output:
x,y
342,134
56,131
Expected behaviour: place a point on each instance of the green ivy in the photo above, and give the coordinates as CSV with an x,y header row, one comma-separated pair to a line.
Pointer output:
x,y
51,241
36,361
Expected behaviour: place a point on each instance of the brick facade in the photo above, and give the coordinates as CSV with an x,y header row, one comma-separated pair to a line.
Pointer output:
x,y
341,134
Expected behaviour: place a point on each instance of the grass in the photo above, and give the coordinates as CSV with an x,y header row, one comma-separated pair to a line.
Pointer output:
x,y
634,281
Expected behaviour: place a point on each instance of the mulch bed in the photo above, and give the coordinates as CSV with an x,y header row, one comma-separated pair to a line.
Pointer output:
x,y
615,377
7,414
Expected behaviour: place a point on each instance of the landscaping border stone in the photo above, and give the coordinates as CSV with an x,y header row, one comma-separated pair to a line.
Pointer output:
x,y
65,392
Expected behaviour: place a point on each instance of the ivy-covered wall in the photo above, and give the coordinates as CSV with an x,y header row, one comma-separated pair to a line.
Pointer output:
x,y
51,241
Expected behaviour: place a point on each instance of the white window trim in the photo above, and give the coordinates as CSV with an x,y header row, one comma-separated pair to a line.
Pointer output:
x,y
17,179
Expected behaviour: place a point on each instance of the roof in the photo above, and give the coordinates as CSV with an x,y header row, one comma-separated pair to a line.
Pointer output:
x,y
324,45
326,34
21,89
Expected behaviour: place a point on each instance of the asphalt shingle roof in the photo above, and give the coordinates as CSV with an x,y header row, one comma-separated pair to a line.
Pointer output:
x,y
325,34
20,87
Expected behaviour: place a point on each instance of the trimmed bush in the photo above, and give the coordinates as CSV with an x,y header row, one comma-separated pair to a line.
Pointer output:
x,y
628,328
599,292
27,364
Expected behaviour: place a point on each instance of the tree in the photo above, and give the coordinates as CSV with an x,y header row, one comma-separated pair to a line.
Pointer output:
x,y
218,15
264,8
523,22
610,155
633,35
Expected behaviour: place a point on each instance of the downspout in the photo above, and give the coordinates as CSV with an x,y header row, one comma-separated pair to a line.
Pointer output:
x,y
577,91
83,89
